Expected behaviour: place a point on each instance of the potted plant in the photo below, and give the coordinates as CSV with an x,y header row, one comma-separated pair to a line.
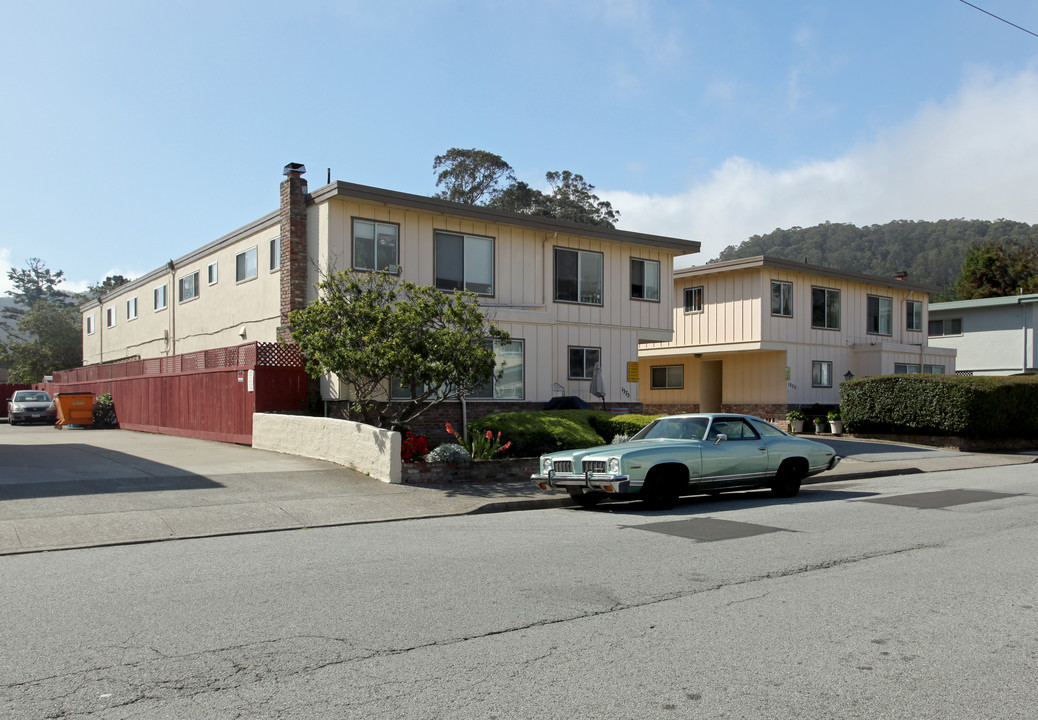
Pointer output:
x,y
835,422
796,420
819,425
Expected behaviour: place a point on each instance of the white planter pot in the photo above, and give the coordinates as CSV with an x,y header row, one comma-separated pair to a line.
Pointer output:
x,y
837,426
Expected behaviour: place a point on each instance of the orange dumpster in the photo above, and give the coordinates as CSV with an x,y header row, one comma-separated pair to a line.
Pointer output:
x,y
75,408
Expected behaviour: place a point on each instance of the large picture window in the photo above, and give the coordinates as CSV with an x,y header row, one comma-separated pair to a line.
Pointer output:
x,y
376,245
781,298
582,362
464,262
645,279
187,287
667,377
880,315
825,308
245,265
578,276
508,362
951,326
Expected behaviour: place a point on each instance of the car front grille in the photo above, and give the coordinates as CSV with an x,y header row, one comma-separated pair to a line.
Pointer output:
x,y
563,466
595,466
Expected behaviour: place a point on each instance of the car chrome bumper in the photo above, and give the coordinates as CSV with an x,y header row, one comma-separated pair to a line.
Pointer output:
x,y
588,482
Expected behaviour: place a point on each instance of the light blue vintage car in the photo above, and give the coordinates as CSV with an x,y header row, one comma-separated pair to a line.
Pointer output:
x,y
686,454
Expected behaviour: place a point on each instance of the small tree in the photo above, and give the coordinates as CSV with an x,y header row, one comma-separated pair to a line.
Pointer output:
x,y
374,329
50,339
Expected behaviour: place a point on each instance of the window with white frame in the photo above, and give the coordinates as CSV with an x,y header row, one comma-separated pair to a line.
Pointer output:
x,y
933,369
187,287
645,279
89,324
821,374
463,262
213,273
667,377
825,308
913,315
781,298
131,308
275,254
159,298
376,245
694,299
582,362
579,276
907,368
245,267
951,326
879,318
110,317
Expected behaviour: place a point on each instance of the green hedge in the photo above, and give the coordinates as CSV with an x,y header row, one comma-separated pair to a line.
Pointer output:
x,y
972,407
540,431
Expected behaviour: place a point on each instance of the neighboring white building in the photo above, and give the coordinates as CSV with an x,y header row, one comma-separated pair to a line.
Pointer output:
x,y
994,336
569,295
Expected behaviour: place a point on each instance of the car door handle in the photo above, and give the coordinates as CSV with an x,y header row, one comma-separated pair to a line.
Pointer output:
x,y
763,449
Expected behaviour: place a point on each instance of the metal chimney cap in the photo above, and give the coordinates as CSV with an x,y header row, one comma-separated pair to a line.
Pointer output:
x,y
295,168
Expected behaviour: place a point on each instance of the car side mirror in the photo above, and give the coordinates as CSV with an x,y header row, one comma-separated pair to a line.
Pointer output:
x,y
720,437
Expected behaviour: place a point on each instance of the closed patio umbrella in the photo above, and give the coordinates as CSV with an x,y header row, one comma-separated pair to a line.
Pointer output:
x,y
597,385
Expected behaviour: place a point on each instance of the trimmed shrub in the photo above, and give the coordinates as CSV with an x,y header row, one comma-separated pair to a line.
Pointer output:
x,y
535,432
449,453
972,407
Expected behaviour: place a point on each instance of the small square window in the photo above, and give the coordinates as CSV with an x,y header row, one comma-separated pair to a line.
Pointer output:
x,y
694,299
579,276
463,262
821,374
645,279
582,362
245,267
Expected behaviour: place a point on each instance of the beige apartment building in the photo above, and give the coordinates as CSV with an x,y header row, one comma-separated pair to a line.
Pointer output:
x,y
763,335
571,296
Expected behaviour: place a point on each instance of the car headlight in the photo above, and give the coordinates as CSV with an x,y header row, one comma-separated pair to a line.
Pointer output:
x,y
546,464
614,466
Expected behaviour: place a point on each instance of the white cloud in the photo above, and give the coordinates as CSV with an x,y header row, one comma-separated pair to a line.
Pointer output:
x,y
973,156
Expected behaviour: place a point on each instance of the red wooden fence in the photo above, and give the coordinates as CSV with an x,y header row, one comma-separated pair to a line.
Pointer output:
x,y
205,394
6,391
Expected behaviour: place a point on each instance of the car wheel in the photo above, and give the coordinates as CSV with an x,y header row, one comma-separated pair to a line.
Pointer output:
x,y
658,493
586,499
787,481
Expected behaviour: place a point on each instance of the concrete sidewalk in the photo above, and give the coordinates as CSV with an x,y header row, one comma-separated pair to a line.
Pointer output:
x,y
84,488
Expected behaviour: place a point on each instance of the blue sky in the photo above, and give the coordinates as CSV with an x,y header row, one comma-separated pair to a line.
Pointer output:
x,y
135,132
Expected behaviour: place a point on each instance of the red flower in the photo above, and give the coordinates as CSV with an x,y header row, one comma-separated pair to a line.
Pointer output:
x,y
450,429
489,435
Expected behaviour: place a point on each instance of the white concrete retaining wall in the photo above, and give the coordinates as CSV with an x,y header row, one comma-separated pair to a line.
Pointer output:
x,y
363,448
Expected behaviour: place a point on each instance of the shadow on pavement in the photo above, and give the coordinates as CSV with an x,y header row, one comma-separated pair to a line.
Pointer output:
x,y
47,471
727,502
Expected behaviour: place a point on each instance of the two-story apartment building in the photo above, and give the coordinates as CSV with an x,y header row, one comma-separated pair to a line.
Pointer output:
x,y
992,336
762,335
569,295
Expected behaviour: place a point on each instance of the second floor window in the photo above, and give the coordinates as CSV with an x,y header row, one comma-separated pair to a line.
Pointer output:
x,y
376,245
187,287
464,262
578,276
694,299
131,308
90,325
160,297
245,265
110,317
913,315
781,298
275,254
880,317
582,362
825,308
645,279
213,273
951,326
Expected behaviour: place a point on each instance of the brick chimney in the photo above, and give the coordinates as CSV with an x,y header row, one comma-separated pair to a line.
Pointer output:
x,y
901,275
293,245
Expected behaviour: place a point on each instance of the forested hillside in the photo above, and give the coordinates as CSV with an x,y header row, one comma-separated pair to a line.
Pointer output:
x,y
931,252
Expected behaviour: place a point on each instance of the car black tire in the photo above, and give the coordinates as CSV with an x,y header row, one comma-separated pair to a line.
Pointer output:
x,y
787,481
659,493
586,499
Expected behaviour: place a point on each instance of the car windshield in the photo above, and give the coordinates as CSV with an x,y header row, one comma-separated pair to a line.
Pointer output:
x,y
31,396
673,429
